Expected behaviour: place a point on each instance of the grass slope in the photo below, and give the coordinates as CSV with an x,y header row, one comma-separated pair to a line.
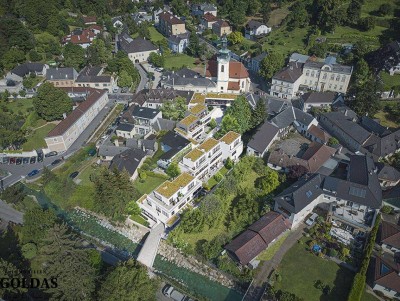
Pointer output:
x,y
36,139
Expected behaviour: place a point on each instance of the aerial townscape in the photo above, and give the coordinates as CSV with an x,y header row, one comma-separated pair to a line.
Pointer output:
x,y
201,150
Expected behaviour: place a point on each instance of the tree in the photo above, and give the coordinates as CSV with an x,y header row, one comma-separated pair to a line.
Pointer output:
x,y
192,221
318,49
236,37
229,163
269,182
47,175
333,141
212,124
354,12
385,9
124,79
266,10
36,223
245,210
299,16
97,53
259,113
7,272
241,111
213,248
362,73
13,194
47,43
180,8
367,23
29,250
271,64
173,170
296,171
132,281
237,17
51,103
34,56
12,58
327,14
156,59
365,98
11,133
65,259
74,56
175,109
133,208
212,209
229,123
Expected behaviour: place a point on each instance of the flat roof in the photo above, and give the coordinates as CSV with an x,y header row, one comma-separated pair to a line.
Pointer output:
x,y
188,120
197,109
209,144
169,188
194,154
229,137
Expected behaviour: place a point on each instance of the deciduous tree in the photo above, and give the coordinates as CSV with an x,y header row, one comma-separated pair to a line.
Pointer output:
x,y
271,64
259,113
173,170
74,56
236,37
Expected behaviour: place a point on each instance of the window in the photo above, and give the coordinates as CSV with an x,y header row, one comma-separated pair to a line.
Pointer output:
x,y
307,73
312,74
343,78
335,87
325,75
332,77
55,139
222,68
337,78
341,87
222,88
305,82
243,84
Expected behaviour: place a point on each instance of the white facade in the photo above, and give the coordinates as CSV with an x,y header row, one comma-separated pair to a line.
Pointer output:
x,y
140,57
387,291
260,30
325,79
284,89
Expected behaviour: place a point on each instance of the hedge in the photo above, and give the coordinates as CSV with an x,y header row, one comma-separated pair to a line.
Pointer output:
x,y
357,288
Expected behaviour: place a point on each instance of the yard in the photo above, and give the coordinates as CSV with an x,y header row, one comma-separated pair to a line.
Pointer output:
x,y
21,106
177,61
150,183
212,182
300,269
389,81
36,139
155,36
384,115
271,250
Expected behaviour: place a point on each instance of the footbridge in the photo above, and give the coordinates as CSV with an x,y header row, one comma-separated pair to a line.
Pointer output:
x,y
149,249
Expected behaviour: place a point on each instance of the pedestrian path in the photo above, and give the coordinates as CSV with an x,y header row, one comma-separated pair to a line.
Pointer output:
x,y
149,249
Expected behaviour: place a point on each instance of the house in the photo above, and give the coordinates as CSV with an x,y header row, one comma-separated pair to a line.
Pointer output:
x,y
245,247
173,146
141,16
96,29
18,73
187,80
256,29
312,159
315,133
154,98
388,176
298,58
129,161
190,127
69,129
170,25
125,130
93,77
386,275
352,200
89,20
317,100
156,16
208,20
262,140
117,22
389,237
391,197
62,77
203,9
170,198
108,152
386,58
286,82
178,43
255,62
231,146
138,49
143,119
81,37
221,28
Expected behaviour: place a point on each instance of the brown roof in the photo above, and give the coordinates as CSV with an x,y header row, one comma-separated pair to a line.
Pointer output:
x,y
96,27
89,19
221,23
290,73
233,86
257,237
170,18
390,234
86,37
210,17
236,70
386,274
93,96
319,133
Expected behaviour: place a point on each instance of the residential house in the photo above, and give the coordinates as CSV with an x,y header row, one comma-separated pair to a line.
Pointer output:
x,y
62,77
93,77
129,161
221,28
69,129
125,130
298,58
190,127
204,9
286,83
178,43
81,37
315,133
245,247
154,98
255,62
89,20
256,29
312,159
388,176
156,16
386,275
117,22
231,146
169,198
173,146
389,237
108,152
141,16
170,25
262,140
138,49
143,119
187,80
391,197
18,73
352,201
317,100
208,20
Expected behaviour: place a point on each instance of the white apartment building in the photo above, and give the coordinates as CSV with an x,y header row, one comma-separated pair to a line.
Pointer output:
x,y
169,198
190,127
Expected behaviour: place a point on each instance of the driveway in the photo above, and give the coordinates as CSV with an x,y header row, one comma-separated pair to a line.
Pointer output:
x,y
143,78
157,74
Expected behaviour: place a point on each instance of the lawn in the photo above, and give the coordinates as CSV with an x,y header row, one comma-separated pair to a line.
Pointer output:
x,y
369,297
385,120
389,81
300,269
271,250
212,182
19,105
278,15
178,61
139,219
149,184
36,139
155,36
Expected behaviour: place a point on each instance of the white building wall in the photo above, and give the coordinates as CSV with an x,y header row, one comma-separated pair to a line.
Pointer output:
x,y
387,292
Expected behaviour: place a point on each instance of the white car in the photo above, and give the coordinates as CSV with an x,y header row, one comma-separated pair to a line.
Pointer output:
x,y
311,220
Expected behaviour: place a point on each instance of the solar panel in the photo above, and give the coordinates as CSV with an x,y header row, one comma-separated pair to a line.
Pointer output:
x,y
357,192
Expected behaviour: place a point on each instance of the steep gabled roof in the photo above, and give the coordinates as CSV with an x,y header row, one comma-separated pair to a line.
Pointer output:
x,y
130,45
263,137
290,74
390,234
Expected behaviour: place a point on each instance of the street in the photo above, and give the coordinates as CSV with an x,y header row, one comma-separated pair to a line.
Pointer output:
x,y
143,78
9,214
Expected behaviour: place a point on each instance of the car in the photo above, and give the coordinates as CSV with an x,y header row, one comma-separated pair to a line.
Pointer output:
x,y
175,295
25,160
115,89
51,154
6,160
32,160
109,131
55,162
40,157
74,174
33,173
12,160
311,220
18,161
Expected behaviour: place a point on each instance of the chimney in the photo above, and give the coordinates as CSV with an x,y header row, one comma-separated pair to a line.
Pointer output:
x,y
345,112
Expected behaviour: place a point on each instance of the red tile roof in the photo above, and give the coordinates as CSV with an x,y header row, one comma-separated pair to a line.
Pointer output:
x,y
87,36
319,133
95,27
390,234
170,18
387,277
236,69
89,19
93,96
210,17
234,86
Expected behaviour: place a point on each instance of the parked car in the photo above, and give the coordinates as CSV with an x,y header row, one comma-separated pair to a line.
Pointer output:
x,y
12,160
40,155
32,160
175,295
6,160
115,89
74,174
33,173
51,154
124,90
18,161
25,160
311,220
109,131
55,162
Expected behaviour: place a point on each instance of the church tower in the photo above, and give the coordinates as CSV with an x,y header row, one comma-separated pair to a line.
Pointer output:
x,y
223,66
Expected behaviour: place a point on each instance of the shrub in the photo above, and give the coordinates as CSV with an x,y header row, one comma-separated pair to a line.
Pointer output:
x,y
332,253
387,209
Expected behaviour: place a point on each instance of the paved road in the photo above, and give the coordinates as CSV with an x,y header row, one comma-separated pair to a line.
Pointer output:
x,y
121,97
19,172
9,214
157,74
143,78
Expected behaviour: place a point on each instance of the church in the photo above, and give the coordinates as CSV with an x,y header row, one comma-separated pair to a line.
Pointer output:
x,y
222,75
